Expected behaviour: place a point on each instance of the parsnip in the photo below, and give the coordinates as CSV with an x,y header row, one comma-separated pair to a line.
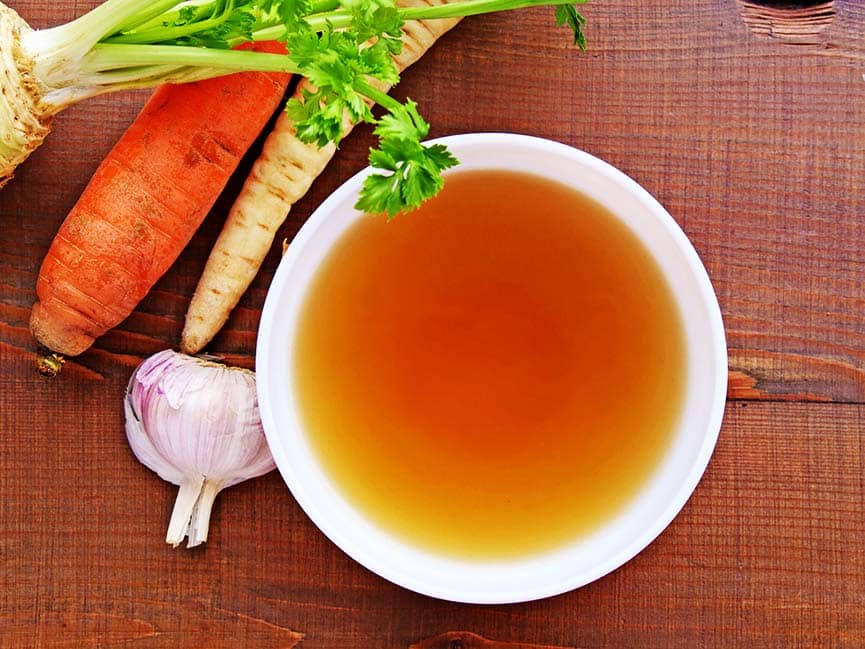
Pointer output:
x,y
282,175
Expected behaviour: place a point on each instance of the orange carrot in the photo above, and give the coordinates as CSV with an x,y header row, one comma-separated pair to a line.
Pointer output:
x,y
146,200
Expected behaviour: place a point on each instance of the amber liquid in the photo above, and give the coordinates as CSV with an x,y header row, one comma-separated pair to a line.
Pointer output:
x,y
494,375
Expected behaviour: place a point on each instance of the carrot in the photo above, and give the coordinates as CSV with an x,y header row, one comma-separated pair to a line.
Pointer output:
x,y
146,200
281,176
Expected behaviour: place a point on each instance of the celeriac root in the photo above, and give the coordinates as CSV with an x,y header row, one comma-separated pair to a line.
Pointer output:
x,y
24,120
281,176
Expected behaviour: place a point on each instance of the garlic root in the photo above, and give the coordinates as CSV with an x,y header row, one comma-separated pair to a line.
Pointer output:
x,y
181,515
191,514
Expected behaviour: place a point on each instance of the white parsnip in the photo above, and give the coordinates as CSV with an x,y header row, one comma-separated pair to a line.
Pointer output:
x,y
280,177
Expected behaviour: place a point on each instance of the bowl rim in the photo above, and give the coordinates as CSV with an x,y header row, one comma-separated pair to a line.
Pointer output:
x,y
452,579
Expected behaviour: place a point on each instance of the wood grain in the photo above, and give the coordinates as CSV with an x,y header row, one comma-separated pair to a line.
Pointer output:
x,y
754,144
468,640
768,552
788,22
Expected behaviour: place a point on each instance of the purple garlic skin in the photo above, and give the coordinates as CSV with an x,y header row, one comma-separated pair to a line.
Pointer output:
x,y
196,424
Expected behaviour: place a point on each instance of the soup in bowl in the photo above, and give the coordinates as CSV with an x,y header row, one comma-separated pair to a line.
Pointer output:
x,y
505,394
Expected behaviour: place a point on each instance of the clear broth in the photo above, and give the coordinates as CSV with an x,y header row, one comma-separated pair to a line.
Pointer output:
x,y
494,375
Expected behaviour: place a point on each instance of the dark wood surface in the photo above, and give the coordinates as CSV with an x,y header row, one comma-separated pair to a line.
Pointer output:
x,y
750,129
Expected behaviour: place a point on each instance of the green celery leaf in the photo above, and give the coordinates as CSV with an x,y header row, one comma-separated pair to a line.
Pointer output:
x,y
568,14
403,124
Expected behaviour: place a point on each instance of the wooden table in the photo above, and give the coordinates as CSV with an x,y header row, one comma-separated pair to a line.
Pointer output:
x,y
749,126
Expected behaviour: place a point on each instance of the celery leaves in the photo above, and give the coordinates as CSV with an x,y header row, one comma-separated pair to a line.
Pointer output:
x,y
344,48
415,168
568,15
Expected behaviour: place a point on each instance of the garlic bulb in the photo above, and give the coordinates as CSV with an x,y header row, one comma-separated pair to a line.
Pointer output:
x,y
196,424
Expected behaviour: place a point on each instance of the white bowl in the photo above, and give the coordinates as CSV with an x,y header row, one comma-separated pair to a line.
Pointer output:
x,y
587,558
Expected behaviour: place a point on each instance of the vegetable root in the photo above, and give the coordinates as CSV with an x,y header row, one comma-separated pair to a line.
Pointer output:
x,y
279,178
24,122
145,201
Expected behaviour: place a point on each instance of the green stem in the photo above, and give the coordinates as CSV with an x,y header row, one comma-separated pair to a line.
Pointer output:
x,y
320,6
340,19
168,18
267,33
137,56
153,11
169,33
322,13
114,56
160,28
141,73
472,8
381,98
87,30
164,30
